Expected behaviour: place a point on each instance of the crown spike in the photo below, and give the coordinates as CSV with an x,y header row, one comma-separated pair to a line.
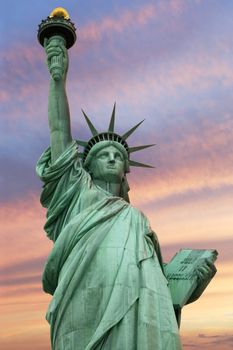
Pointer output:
x,y
89,123
139,148
133,163
112,120
128,133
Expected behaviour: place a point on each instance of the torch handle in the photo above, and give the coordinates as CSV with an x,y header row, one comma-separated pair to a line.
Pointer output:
x,y
57,62
56,67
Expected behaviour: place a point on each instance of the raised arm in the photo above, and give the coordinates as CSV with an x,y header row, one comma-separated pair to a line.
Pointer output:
x,y
58,108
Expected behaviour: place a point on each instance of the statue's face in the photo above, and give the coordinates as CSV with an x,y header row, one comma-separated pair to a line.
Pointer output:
x,y
108,165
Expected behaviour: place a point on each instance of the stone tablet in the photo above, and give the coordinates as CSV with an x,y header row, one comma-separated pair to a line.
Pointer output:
x,y
181,273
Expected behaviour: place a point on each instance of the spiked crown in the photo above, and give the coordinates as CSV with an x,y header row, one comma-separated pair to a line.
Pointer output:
x,y
111,136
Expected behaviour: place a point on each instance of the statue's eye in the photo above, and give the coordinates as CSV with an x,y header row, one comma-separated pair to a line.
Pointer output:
x,y
118,156
103,155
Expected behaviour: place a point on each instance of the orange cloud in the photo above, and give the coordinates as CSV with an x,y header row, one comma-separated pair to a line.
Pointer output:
x,y
24,252
26,304
198,157
22,231
24,324
211,311
211,339
193,219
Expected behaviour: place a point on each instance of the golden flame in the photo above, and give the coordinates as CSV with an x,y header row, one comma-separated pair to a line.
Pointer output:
x,y
59,12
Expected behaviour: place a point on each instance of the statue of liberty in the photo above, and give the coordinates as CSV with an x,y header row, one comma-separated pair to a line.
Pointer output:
x,y
105,270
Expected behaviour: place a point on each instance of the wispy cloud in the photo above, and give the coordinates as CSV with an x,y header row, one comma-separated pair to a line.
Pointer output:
x,y
169,61
22,222
95,31
217,339
16,272
28,61
193,155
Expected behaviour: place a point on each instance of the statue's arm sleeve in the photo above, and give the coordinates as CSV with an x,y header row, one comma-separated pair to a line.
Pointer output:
x,y
58,106
156,245
63,179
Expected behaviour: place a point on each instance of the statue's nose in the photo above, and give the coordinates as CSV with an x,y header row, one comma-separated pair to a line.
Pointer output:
x,y
111,159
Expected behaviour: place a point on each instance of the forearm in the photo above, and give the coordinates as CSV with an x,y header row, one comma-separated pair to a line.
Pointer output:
x,y
59,118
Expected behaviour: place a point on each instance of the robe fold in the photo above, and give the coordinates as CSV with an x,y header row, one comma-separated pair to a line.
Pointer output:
x,y
105,268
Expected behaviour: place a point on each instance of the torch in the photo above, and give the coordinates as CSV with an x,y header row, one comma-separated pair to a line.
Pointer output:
x,y
57,27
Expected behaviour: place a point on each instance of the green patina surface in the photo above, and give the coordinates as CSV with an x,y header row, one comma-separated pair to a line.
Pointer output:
x,y
105,271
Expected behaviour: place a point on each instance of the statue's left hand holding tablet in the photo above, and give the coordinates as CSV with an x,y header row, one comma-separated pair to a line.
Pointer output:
x,y
204,272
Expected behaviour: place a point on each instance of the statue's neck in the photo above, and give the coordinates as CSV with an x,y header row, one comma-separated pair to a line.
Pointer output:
x,y
113,188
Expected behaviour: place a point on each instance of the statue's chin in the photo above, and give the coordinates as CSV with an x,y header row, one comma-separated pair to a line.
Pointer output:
x,y
109,174
108,179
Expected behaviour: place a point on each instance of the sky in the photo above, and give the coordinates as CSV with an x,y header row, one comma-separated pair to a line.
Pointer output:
x,y
169,62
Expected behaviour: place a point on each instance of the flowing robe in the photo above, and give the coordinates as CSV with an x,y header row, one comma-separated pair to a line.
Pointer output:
x,y
105,269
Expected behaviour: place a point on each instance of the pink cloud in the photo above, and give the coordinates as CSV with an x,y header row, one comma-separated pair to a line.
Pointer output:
x,y
108,25
154,82
4,97
22,225
194,74
130,18
213,339
177,6
160,78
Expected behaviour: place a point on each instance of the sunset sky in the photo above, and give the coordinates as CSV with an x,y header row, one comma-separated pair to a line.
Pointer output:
x,y
168,61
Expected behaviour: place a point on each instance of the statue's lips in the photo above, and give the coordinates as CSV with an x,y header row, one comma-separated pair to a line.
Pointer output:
x,y
111,167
